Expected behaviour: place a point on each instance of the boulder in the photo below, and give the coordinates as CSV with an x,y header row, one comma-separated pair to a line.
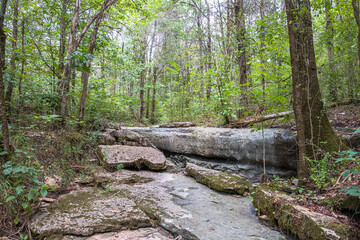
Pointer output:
x,y
280,208
243,147
111,156
88,211
217,180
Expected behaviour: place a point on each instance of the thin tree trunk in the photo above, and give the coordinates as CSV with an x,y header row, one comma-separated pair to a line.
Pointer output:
x,y
153,100
62,36
73,45
4,123
262,52
208,87
241,55
330,48
357,18
313,127
142,79
10,87
85,75
23,59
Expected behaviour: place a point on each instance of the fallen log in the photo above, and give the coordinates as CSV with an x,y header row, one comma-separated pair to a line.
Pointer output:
x,y
246,123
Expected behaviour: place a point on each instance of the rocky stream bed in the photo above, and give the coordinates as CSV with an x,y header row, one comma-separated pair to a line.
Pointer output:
x,y
155,199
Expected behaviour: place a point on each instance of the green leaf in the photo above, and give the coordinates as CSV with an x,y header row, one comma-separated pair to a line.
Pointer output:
x,y
30,195
3,153
10,198
357,131
43,192
7,171
25,205
19,189
17,182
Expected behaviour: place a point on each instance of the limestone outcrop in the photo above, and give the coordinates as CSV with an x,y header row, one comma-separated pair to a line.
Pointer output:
x,y
243,147
113,156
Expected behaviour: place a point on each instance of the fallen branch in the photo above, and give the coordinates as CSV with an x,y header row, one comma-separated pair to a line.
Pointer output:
x,y
260,119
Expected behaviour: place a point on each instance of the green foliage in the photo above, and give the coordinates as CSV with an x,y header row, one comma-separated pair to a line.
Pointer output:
x,y
326,171
20,186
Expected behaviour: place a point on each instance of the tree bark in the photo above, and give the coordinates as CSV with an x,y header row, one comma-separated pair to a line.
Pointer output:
x,y
209,59
13,60
241,50
85,75
23,58
262,52
153,100
62,36
330,48
314,131
4,123
357,18
142,78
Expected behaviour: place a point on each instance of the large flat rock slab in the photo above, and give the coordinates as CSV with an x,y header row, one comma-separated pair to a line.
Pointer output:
x,y
192,210
243,147
217,180
139,234
88,211
131,157
280,208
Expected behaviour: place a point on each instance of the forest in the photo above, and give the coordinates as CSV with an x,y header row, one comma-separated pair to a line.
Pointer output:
x,y
71,68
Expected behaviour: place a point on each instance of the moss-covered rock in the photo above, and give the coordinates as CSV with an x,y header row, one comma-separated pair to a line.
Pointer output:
x,y
298,220
341,202
89,211
217,180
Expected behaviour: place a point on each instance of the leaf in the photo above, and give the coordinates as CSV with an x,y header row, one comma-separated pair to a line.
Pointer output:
x,y
7,171
346,173
43,192
25,205
30,195
357,131
10,198
19,189
3,153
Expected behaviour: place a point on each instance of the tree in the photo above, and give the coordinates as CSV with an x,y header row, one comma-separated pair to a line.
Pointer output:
x,y
355,6
313,127
4,123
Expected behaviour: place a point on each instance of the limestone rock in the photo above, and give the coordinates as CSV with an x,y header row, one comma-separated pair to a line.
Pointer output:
x,y
106,139
89,211
131,138
178,125
217,180
139,234
131,157
242,147
298,220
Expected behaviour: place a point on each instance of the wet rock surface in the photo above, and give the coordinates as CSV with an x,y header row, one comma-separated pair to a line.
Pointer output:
x,y
217,180
240,146
130,200
280,208
111,156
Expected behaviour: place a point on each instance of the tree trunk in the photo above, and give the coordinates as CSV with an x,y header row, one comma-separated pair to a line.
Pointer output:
x,y
142,79
208,87
262,53
153,100
62,36
23,60
85,75
313,127
357,18
241,50
330,48
73,45
4,123
10,87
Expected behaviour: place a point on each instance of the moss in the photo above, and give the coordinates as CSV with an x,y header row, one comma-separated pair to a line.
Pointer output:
x,y
296,220
341,202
